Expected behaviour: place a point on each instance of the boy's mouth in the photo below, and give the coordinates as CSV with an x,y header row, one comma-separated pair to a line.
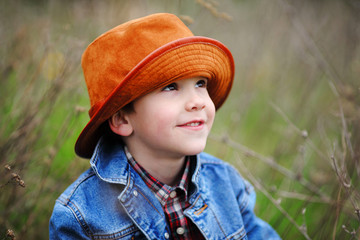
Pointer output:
x,y
195,123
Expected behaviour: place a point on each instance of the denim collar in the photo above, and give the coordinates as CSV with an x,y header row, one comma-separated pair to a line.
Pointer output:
x,y
109,161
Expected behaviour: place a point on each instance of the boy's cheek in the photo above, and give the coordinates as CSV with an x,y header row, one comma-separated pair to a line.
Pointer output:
x,y
212,114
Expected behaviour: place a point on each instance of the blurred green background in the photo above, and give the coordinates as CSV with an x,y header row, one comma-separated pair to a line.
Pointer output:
x,y
290,125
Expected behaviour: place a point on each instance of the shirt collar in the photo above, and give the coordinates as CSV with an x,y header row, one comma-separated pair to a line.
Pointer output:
x,y
161,190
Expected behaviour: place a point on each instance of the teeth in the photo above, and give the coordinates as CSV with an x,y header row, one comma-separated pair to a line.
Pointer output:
x,y
193,124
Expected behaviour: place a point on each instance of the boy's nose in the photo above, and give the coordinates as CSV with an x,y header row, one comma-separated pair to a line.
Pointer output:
x,y
195,103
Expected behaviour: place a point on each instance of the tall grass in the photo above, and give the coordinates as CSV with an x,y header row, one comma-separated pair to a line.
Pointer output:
x,y
291,124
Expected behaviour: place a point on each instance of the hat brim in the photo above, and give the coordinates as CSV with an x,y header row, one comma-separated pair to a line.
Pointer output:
x,y
183,58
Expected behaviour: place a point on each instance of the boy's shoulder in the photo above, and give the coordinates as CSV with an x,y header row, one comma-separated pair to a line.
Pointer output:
x,y
208,161
88,183
88,199
217,171
207,158
83,181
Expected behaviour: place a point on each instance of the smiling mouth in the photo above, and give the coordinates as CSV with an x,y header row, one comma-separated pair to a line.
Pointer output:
x,y
193,124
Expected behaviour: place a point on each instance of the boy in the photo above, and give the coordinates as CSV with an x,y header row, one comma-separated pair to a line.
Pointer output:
x,y
154,89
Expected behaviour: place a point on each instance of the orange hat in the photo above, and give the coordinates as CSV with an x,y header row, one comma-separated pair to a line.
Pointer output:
x,y
142,55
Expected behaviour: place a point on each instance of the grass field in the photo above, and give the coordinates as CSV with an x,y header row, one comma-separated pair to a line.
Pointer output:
x,y
290,125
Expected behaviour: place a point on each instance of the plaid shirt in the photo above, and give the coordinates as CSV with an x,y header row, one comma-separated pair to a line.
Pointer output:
x,y
173,200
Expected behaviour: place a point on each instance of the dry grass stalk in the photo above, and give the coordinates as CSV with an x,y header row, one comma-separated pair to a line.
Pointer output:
x,y
212,7
240,165
273,164
23,149
10,234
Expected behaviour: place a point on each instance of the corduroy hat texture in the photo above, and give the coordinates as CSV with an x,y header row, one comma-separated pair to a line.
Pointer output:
x,y
144,54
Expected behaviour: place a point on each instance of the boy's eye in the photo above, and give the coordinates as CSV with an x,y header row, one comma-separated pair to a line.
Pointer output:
x,y
170,87
201,83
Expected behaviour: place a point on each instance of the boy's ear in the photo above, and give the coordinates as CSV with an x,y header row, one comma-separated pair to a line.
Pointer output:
x,y
120,124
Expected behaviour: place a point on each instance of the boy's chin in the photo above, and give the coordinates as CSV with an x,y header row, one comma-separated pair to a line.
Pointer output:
x,y
195,150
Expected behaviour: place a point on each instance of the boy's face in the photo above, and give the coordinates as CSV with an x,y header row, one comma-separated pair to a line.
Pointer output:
x,y
173,121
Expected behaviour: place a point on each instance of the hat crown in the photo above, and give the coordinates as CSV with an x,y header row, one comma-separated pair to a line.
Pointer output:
x,y
111,56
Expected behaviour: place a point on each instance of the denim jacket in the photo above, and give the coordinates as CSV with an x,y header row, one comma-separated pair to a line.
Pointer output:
x,y
111,201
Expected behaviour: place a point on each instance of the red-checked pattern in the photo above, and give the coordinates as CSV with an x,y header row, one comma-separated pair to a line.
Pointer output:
x,y
173,200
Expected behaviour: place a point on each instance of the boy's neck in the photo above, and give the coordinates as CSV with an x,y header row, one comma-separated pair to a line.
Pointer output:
x,y
166,170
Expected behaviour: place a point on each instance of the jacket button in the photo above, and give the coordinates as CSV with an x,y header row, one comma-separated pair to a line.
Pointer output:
x,y
173,194
180,231
166,235
135,193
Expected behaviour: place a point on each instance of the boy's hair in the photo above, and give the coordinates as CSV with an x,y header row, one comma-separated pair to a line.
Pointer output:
x,y
128,108
144,54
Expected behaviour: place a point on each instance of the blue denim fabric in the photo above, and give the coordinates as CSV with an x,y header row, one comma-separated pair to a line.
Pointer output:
x,y
111,201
